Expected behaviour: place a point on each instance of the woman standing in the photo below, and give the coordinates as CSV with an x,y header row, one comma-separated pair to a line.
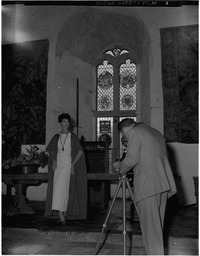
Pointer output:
x,y
67,181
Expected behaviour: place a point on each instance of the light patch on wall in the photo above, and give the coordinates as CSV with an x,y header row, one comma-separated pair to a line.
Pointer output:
x,y
20,36
16,34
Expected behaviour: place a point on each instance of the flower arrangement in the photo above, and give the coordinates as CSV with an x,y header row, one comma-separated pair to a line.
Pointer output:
x,y
35,157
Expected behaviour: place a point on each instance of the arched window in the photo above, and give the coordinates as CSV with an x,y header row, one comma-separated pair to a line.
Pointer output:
x,y
116,97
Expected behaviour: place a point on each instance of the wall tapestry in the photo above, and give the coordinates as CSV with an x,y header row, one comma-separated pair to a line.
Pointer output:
x,y
179,48
24,69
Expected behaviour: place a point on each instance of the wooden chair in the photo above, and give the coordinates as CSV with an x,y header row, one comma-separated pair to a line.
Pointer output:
x,y
97,161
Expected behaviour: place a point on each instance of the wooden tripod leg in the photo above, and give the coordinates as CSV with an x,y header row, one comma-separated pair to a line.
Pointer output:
x,y
108,215
131,194
124,210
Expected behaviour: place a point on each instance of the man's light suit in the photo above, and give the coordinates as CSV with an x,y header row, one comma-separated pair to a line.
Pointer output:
x,y
153,182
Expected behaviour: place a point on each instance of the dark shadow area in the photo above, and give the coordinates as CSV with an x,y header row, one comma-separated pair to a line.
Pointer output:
x,y
175,203
180,196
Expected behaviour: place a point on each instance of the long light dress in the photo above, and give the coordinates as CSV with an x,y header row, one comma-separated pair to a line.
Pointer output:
x,y
62,174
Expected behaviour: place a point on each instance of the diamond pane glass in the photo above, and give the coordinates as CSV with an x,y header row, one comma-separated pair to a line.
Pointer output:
x,y
105,87
128,82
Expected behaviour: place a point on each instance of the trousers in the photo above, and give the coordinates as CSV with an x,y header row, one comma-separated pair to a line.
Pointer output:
x,y
151,213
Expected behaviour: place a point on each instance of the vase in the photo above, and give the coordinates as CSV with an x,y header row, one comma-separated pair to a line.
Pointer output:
x,y
22,169
28,169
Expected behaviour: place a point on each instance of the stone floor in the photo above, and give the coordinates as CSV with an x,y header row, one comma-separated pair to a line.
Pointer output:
x,y
34,234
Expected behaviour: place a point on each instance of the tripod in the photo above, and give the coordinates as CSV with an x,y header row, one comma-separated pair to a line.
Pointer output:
x,y
123,181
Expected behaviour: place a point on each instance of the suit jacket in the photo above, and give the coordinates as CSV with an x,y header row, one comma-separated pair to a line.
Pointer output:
x,y
147,153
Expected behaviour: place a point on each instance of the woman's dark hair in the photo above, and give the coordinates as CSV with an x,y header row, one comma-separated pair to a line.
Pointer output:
x,y
64,116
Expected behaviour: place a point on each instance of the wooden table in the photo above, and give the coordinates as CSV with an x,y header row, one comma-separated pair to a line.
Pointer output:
x,y
22,181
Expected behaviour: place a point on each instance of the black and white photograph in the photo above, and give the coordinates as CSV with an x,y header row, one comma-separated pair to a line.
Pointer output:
x,y
100,127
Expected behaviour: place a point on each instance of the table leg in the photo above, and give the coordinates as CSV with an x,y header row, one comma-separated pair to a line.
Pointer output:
x,y
21,207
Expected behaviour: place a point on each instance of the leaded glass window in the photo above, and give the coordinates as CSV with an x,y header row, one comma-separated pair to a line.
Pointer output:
x,y
116,52
105,87
116,97
128,86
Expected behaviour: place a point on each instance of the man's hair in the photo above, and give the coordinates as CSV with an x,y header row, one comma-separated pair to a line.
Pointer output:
x,y
64,116
127,122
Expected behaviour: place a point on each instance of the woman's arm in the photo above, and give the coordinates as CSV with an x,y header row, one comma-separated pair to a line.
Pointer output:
x,y
77,157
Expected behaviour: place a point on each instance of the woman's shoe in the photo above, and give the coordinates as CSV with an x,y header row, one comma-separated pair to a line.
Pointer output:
x,y
63,222
62,218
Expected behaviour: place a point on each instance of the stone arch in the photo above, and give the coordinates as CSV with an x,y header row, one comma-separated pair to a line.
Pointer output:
x,y
89,32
